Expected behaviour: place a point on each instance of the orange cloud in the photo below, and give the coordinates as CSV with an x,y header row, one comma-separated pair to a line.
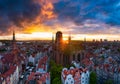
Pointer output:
x,y
37,28
46,13
47,9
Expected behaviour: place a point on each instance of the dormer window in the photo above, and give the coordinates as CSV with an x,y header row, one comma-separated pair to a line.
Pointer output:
x,y
69,78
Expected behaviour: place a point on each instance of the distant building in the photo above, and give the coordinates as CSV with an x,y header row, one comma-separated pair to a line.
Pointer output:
x,y
101,40
15,49
85,39
105,40
13,36
93,40
1,43
69,39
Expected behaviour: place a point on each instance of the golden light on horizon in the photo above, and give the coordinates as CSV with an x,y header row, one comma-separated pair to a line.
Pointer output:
x,y
90,37
41,35
30,36
48,36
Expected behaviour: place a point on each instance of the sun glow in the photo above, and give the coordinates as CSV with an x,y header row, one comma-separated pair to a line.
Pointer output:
x,y
41,34
65,39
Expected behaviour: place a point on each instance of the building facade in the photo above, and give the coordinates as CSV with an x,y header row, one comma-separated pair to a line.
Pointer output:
x,y
75,76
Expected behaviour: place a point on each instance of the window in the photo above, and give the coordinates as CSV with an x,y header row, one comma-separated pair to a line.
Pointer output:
x,y
73,56
87,74
78,57
71,82
69,78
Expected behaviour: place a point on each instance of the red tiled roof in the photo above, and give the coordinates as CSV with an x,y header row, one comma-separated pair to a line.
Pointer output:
x,y
31,76
42,76
9,72
87,62
9,58
42,62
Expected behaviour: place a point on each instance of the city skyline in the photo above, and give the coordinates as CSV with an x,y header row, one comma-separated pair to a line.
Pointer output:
x,y
39,19
49,36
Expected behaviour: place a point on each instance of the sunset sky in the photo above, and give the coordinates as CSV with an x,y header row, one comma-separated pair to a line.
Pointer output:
x,y
39,19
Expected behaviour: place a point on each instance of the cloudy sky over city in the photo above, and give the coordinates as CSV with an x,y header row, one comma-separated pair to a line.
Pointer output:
x,y
80,18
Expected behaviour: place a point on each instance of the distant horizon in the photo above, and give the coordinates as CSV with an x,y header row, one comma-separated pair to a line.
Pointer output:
x,y
49,36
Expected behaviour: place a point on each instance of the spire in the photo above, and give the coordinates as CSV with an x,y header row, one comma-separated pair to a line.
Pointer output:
x,y
15,49
52,38
13,36
14,41
69,38
84,39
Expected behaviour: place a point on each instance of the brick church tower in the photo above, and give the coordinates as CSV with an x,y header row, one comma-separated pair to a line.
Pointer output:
x,y
58,48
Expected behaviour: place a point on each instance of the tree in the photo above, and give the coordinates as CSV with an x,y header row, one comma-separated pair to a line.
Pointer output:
x,y
56,81
55,71
118,50
93,78
108,82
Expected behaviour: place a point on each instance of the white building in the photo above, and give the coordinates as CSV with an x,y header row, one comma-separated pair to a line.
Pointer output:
x,y
38,56
85,77
32,59
69,79
75,76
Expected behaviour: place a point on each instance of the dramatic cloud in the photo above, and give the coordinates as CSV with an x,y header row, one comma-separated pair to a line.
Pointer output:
x,y
75,16
80,10
14,12
22,13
